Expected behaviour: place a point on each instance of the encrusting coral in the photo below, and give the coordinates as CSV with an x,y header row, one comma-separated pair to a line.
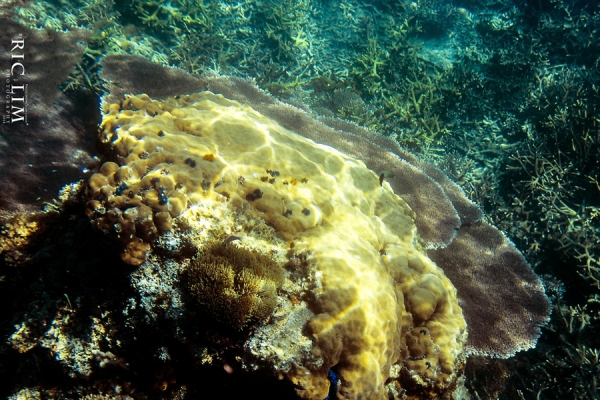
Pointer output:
x,y
17,232
382,306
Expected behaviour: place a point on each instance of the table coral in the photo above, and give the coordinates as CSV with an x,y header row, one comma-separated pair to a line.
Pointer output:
x,y
37,158
381,302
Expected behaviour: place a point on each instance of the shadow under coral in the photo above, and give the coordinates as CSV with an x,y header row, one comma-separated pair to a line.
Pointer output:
x,y
75,275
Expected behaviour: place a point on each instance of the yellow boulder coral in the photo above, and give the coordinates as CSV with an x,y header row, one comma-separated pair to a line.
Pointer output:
x,y
383,305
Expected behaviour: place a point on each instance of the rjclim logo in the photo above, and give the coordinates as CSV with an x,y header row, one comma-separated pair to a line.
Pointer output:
x,y
15,108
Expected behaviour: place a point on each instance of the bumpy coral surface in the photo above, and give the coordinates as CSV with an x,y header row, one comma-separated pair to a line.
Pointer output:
x,y
383,309
234,285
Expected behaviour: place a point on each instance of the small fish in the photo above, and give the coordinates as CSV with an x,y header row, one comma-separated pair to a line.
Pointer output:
x,y
383,175
230,239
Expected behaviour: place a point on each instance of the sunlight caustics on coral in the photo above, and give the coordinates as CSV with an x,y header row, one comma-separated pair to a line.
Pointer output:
x,y
382,301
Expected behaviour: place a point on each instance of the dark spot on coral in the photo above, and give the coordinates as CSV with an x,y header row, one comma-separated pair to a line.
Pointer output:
x,y
306,211
208,157
241,180
162,197
383,175
287,213
121,189
143,155
255,195
304,180
161,133
190,162
162,300
272,180
206,184
333,387
264,178
272,173
423,332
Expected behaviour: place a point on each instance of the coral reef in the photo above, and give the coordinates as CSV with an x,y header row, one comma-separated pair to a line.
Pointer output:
x,y
443,215
501,95
440,206
306,192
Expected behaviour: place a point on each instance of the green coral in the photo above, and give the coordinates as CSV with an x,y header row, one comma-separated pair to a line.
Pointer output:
x,y
285,25
369,67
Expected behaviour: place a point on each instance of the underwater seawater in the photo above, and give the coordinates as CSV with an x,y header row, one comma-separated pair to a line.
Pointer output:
x,y
300,199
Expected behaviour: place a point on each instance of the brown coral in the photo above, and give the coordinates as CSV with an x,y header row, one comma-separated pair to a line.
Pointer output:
x,y
510,304
36,157
234,286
